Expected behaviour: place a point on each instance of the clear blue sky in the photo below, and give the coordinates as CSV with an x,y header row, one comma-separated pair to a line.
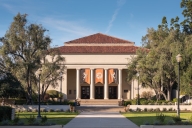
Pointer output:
x,y
71,19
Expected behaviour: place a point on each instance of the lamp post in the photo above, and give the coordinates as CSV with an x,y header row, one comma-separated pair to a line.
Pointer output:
x,y
61,75
39,115
179,59
138,89
137,69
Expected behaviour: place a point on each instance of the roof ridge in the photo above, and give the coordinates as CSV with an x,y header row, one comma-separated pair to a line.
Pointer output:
x,y
99,38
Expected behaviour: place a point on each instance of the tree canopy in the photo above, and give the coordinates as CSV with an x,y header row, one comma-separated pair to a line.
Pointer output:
x,y
24,50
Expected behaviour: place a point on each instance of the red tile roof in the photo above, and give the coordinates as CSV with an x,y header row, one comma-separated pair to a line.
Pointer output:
x,y
97,49
99,38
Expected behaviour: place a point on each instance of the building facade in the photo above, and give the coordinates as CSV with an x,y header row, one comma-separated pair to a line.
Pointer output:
x,y
96,68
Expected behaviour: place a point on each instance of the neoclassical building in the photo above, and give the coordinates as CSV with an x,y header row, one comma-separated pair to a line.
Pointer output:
x,y
96,68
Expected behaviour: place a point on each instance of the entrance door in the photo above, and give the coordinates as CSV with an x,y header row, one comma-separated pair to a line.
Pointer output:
x,y
85,92
98,92
112,92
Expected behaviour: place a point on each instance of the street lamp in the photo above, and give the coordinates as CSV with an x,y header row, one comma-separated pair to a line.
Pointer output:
x,y
138,89
137,69
39,73
61,75
179,59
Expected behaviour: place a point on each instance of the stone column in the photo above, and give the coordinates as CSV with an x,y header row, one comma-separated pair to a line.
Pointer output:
x,y
92,96
77,84
120,85
64,84
106,92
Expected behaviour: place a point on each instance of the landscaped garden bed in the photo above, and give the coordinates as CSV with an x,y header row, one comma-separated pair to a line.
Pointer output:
x,y
26,119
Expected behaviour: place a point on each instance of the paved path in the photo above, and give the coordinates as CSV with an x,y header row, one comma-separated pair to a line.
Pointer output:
x,y
100,120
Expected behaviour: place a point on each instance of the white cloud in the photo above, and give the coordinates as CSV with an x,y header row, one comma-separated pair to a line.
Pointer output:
x,y
10,8
120,3
67,26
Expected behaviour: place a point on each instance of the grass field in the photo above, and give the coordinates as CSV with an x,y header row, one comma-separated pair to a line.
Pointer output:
x,y
140,118
61,118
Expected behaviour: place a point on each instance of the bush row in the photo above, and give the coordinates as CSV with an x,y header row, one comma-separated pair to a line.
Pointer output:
x,y
151,102
42,110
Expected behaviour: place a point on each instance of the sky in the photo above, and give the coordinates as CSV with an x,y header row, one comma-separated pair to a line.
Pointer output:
x,y
67,20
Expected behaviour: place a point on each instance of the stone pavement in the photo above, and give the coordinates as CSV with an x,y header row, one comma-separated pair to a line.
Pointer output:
x,y
100,120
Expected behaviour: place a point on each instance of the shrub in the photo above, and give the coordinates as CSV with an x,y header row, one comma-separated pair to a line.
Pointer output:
x,y
53,93
57,110
134,102
164,109
50,110
43,119
170,103
176,118
144,102
20,123
156,122
36,122
145,109
43,110
170,122
160,117
5,112
147,94
34,110
138,110
163,103
146,123
175,100
127,102
5,122
150,109
20,101
170,109
31,119
157,109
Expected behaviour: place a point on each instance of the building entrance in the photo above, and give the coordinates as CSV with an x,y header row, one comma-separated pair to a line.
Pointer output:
x,y
99,92
85,92
112,92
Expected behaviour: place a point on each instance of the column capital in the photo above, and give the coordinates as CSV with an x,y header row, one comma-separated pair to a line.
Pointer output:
x,y
78,68
92,68
120,68
105,68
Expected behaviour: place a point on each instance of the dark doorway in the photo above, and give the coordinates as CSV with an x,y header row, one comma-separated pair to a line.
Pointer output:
x,y
99,92
85,92
112,92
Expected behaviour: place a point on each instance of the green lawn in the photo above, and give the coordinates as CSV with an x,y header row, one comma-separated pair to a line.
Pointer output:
x,y
140,118
61,118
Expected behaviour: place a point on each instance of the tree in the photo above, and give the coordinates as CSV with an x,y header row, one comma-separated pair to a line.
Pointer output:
x,y
158,65
24,50
11,87
187,13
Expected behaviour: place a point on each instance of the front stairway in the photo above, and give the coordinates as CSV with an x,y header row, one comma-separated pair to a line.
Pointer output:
x,y
99,102
98,105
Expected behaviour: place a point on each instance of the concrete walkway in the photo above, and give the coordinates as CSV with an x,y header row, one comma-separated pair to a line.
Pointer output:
x,y
100,120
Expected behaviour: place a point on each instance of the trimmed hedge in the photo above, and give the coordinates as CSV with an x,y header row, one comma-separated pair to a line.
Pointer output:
x,y
5,112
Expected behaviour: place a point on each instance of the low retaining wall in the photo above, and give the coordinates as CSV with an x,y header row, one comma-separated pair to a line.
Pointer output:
x,y
53,126
165,126
47,107
174,107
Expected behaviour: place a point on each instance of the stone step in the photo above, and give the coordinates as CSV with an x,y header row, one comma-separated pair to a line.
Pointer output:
x,y
100,108
99,102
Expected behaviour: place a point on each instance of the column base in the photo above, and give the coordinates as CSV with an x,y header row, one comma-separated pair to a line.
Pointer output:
x,y
106,98
92,98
